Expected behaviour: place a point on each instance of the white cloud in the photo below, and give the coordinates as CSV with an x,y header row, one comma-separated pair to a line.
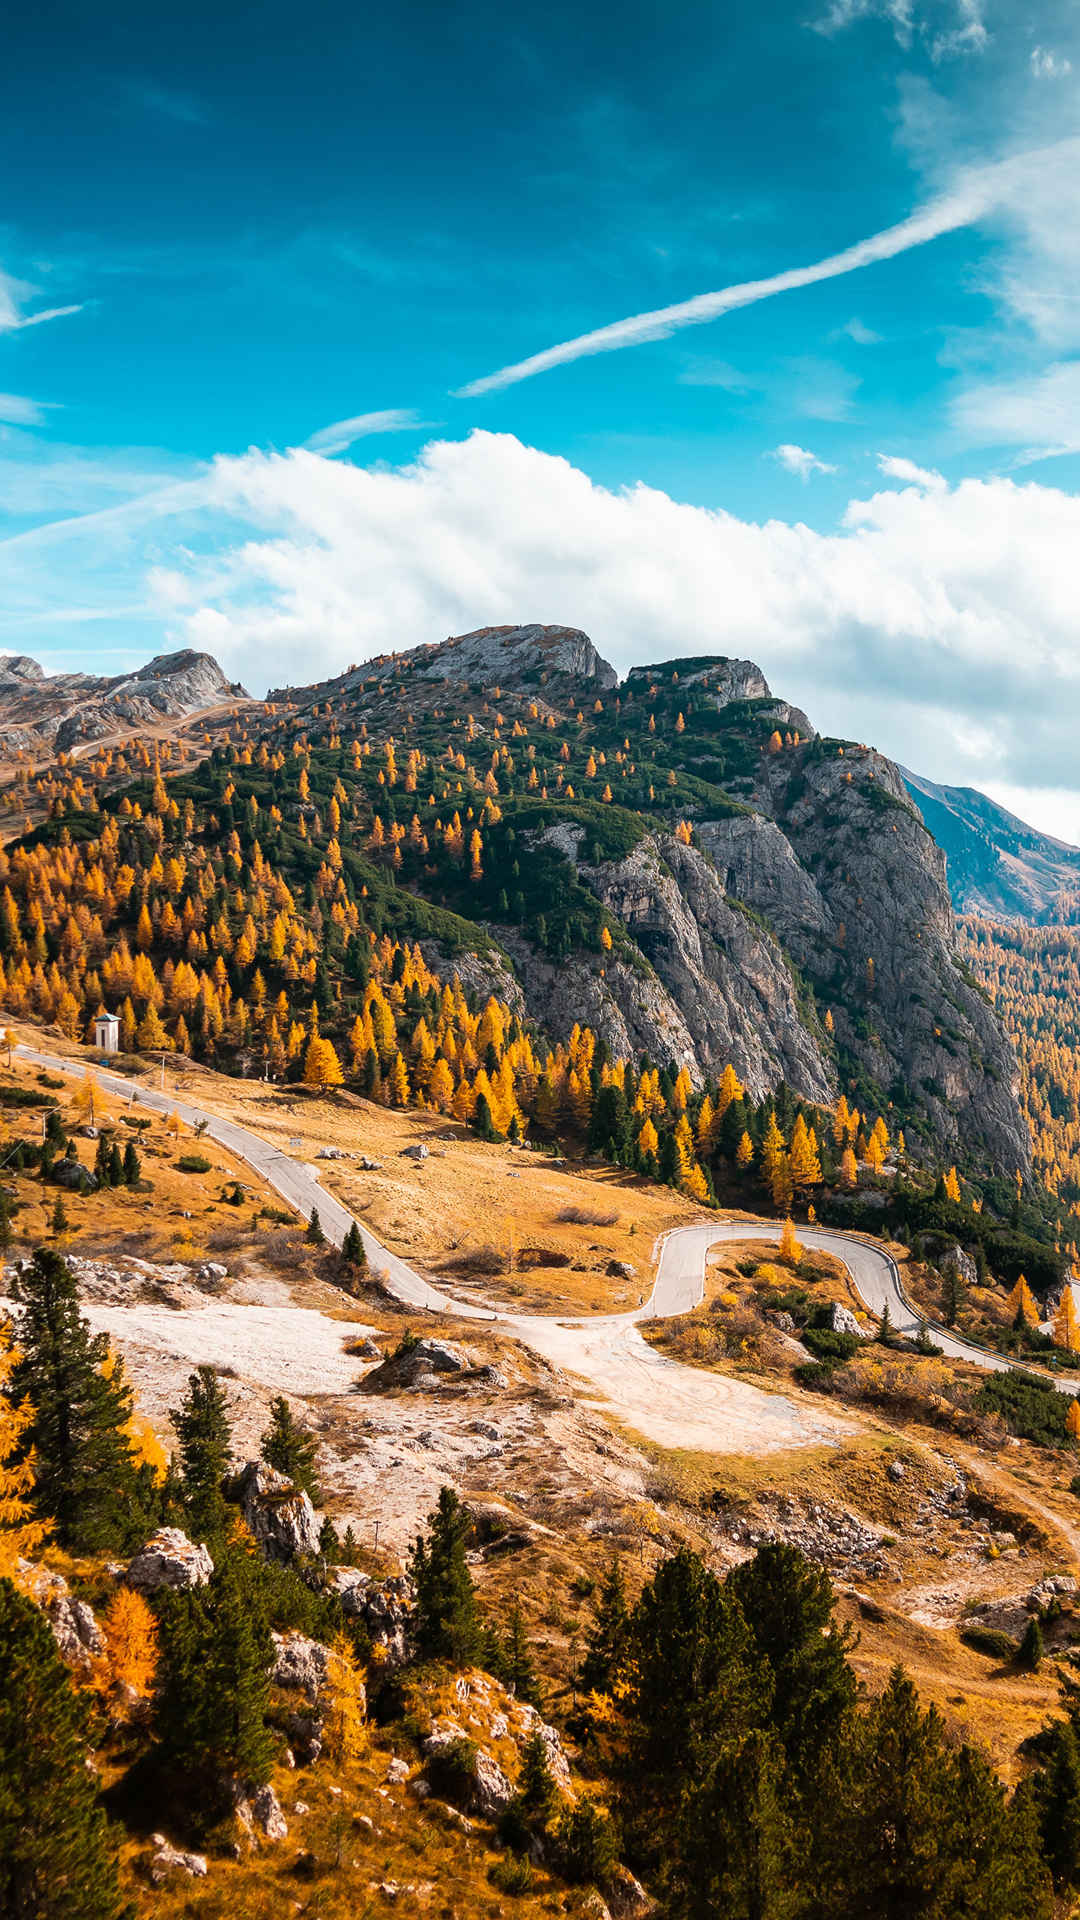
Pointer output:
x,y
1047,65
13,296
801,461
18,412
897,468
955,28
1039,413
938,621
854,329
1002,186
343,433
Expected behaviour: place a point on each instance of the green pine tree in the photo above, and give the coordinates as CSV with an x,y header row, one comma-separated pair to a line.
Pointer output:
x,y
101,1162
521,1673
352,1247
59,1222
605,1642
214,1685
787,1601
86,1480
536,1800
314,1229
132,1167
734,1849
201,1424
116,1166
56,1860
290,1447
446,1622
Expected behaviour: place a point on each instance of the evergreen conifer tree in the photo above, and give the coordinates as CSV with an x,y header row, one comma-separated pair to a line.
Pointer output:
x,y
314,1231
290,1447
201,1424
536,1800
605,1642
56,1861
85,1475
213,1680
132,1168
352,1247
446,1623
521,1673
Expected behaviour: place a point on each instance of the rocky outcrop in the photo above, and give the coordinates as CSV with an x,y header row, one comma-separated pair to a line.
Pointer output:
x,y
167,1861
415,1365
169,1559
280,1516
75,1630
51,713
494,656
385,1608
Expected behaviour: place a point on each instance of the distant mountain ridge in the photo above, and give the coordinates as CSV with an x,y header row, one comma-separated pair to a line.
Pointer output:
x,y
44,714
998,866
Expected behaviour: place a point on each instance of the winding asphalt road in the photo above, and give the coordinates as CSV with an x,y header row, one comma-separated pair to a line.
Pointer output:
x,y
673,1403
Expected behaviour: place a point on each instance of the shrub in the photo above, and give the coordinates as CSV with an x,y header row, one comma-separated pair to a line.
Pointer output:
x,y
512,1874
989,1640
193,1163
824,1344
587,1217
1029,1407
586,1843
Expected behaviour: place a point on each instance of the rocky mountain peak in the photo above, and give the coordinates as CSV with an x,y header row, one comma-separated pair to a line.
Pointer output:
x,y
20,666
495,655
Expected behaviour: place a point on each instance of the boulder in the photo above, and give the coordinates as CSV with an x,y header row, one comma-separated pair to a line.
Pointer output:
x,y
74,1627
73,1177
167,1860
842,1320
487,1790
331,1153
267,1814
626,1897
416,1363
280,1516
416,1152
620,1270
169,1559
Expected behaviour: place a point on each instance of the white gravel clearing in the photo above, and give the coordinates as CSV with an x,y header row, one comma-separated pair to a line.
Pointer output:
x,y
288,1349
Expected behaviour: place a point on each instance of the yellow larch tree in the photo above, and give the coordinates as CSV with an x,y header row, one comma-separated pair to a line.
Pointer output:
x,y
20,1534
1021,1303
790,1250
131,1643
744,1153
1066,1325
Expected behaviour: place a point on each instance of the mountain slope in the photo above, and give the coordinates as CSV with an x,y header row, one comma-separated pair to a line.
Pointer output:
x,y
42,714
758,876
997,865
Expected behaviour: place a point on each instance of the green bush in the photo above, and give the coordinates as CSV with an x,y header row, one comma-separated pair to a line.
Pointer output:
x,y
193,1163
1030,1409
452,1773
512,1874
824,1344
989,1640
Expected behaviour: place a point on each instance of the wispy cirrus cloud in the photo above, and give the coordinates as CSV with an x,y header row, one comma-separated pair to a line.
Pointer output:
x,y
977,193
800,461
17,411
13,297
342,433
956,28
1048,65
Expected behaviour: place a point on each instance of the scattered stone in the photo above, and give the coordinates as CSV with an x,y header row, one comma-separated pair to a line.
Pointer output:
x,y
366,1349
368,1166
621,1270
280,1516
169,1559
896,1470
397,1771
331,1153
416,1152
167,1860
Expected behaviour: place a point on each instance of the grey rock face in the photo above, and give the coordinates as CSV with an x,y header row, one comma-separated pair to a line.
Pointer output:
x,y
266,1810
719,990
281,1518
167,1860
301,1665
169,1559
499,655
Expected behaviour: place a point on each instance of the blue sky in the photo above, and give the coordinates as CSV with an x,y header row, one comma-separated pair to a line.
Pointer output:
x,y
270,225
